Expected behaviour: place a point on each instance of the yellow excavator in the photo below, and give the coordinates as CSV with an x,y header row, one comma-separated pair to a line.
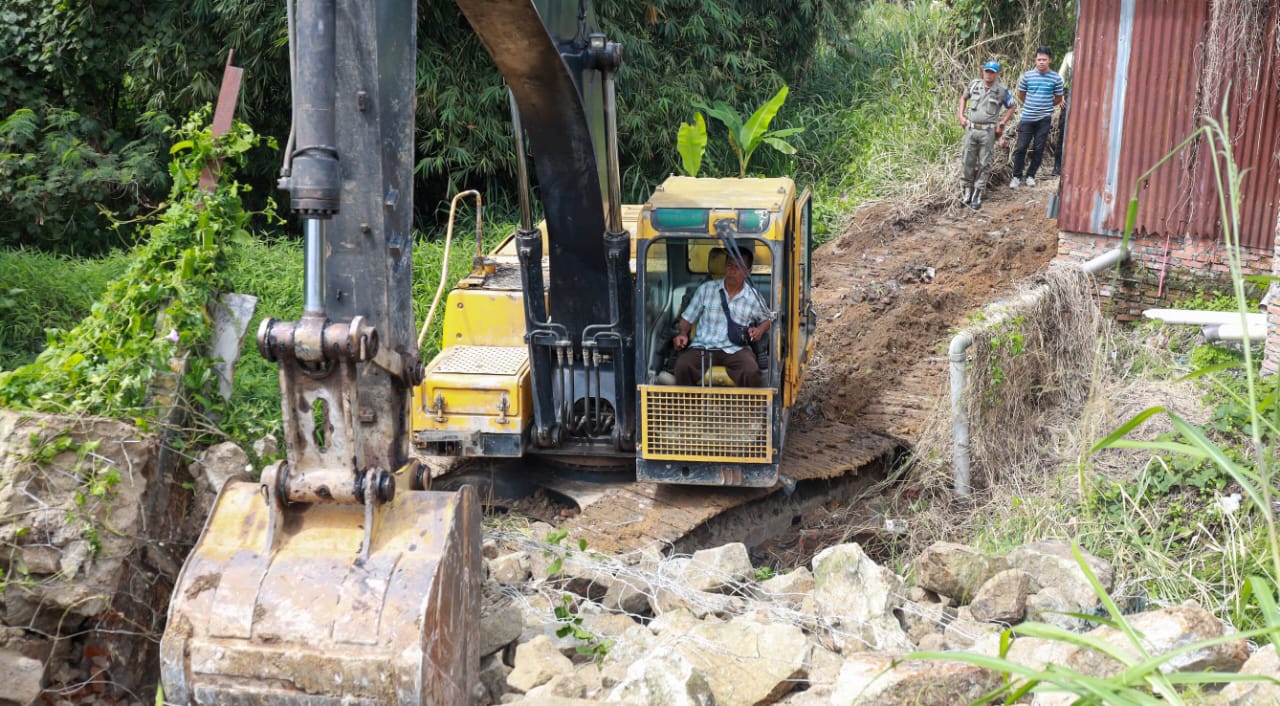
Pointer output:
x,y
337,578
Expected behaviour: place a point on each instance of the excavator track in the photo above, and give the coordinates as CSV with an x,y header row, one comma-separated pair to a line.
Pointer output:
x,y
832,462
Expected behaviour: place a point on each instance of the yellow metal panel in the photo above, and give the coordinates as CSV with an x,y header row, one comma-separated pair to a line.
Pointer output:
x,y
690,192
474,388
706,424
799,349
477,317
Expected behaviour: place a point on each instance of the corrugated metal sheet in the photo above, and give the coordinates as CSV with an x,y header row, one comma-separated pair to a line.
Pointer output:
x,y
1133,99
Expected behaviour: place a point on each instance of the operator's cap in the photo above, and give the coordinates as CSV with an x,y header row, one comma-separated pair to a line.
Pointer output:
x,y
991,66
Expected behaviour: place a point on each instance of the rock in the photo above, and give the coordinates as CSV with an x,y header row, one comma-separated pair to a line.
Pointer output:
x,y
824,666
628,594
858,597
493,675
1052,564
1163,631
1264,663
501,623
717,570
537,662
955,570
675,594
40,559
789,588
266,448
218,464
667,679
819,695
89,499
1002,598
550,700
920,619
933,642
22,677
872,679
489,549
564,685
674,622
511,569
747,663
962,632
1050,605
632,647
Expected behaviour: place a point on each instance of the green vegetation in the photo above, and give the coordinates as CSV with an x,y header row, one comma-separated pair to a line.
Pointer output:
x,y
745,136
1198,521
157,309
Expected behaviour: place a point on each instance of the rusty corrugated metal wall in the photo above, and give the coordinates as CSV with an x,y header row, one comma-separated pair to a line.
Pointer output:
x,y
1133,99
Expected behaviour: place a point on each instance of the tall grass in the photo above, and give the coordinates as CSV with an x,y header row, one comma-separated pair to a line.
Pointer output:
x,y
878,109
41,291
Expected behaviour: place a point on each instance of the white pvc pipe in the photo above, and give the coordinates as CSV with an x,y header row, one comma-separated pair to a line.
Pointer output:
x,y
1234,331
958,353
1203,318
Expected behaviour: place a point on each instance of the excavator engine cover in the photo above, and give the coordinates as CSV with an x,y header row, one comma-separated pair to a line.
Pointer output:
x,y
309,623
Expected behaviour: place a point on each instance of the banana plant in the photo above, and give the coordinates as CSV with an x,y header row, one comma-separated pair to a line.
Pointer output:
x,y
691,142
746,136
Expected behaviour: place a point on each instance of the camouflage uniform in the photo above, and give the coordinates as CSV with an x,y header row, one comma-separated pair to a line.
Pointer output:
x,y
983,109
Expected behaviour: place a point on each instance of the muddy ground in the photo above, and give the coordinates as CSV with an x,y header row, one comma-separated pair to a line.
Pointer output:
x,y
891,291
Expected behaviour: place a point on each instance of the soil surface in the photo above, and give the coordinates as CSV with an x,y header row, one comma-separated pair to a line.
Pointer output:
x,y
891,292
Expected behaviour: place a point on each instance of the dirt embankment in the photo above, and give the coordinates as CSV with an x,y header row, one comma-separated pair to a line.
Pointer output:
x,y
890,292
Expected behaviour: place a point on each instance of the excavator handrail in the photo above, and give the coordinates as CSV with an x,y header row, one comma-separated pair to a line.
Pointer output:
x,y
448,241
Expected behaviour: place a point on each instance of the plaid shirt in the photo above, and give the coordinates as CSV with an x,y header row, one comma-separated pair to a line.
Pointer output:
x,y
713,329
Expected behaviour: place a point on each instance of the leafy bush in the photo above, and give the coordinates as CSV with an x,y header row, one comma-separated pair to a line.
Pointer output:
x,y
158,308
59,170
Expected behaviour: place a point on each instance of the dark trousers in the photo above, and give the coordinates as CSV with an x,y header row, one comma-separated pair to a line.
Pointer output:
x,y
741,366
1027,131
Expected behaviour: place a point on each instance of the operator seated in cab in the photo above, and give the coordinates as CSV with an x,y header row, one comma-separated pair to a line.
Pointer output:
x,y
723,310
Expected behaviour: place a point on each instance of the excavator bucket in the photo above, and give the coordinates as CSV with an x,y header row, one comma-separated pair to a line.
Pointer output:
x,y
308,622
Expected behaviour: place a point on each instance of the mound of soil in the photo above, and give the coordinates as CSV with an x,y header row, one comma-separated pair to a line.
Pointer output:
x,y
890,292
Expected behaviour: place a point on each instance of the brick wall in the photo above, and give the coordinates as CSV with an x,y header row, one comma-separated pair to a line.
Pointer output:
x,y
1193,266
1271,356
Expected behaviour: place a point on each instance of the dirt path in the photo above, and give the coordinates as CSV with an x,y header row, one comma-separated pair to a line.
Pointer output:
x,y
890,295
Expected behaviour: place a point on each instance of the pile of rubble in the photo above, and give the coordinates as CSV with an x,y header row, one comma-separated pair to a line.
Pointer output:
x,y
566,627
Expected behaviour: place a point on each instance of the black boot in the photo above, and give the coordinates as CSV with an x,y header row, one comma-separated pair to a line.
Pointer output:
x,y
976,202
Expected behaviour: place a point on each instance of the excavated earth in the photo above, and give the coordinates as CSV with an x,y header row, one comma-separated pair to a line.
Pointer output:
x,y
890,293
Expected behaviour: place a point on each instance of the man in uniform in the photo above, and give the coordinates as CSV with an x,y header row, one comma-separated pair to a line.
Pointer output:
x,y
980,115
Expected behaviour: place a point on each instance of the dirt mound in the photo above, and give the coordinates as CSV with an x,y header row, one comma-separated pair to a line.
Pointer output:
x,y
890,292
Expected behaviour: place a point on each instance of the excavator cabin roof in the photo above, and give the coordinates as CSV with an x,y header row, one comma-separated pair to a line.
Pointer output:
x,y
692,206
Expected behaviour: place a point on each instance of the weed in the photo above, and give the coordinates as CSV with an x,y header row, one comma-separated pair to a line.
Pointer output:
x,y
589,643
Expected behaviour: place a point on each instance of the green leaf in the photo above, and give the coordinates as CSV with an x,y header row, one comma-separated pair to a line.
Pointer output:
x,y
758,124
691,142
779,145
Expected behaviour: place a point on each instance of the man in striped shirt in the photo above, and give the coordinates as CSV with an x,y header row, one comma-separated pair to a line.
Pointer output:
x,y
1040,90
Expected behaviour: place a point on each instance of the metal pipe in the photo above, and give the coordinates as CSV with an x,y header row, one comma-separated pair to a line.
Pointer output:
x,y
611,153
313,277
522,168
315,184
958,353
444,261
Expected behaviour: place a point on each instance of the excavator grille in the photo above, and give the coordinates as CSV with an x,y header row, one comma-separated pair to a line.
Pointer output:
x,y
706,424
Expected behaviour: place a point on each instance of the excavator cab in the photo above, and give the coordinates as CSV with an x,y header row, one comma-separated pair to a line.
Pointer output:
x,y
713,432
